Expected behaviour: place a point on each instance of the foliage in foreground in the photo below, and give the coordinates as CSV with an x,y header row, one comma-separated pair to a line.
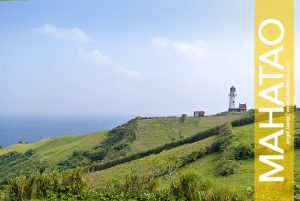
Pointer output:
x,y
52,185
13,164
70,185
194,187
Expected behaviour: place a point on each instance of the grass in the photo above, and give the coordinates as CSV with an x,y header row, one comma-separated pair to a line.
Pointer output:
x,y
159,131
142,166
57,149
150,134
208,164
22,148
243,178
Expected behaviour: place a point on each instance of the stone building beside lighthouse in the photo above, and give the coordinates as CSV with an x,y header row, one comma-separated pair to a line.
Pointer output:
x,y
232,103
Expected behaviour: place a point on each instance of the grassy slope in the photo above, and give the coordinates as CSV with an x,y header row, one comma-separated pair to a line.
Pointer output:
x,y
54,150
206,165
159,131
245,173
141,166
22,148
152,133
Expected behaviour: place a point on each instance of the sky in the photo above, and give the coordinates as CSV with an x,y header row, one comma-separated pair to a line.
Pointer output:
x,y
146,58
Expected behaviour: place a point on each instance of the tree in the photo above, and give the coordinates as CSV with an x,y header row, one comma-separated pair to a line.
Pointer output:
x,y
183,118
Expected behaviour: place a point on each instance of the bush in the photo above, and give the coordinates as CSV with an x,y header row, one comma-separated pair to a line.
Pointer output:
x,y
14,163
140,196
243,121
227,164
297,191
243,151
227,167
225,136
195,155
227,193
183,118
297,141
51,185
191,186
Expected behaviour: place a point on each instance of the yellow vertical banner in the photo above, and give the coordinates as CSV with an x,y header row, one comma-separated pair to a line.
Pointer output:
x,y
274,104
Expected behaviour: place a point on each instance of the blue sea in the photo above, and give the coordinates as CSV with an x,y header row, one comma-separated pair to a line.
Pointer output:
x,y
33,128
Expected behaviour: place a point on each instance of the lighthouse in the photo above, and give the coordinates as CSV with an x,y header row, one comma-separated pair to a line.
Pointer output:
x,y
232,96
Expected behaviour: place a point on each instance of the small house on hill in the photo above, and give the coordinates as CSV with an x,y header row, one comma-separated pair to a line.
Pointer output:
x,y
242,107
199,113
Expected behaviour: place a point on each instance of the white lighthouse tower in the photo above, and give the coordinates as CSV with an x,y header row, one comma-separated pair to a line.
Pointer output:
x,y
232,96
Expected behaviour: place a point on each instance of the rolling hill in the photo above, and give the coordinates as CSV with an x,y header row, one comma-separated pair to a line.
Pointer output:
x,y
160,148
57,149
206,165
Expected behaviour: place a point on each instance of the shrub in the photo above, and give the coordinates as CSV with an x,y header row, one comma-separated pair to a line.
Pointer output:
x,y
194,187
297,141
227,167
225,136
227,193
51,185
227,164
195,155
297,191
140,196
243,121
243,151
191,186
183,118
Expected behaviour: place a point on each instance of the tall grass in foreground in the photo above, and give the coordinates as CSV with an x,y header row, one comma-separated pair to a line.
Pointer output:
x,y
71,186
48,185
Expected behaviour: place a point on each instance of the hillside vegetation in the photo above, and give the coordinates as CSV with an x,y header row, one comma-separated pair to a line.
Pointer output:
x,y
148,159
28,158
159,131
207,165
57,149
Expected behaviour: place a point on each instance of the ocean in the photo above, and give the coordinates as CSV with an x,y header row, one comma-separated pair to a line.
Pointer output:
x,y
33,128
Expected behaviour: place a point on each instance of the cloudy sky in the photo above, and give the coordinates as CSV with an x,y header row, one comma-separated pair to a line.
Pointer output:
x,y
132,57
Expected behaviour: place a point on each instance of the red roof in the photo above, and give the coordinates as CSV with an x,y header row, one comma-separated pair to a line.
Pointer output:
x,y
243,106
199,112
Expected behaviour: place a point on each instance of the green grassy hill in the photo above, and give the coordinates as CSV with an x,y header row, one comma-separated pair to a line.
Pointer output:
x,y
29,158
206,165
145,134
144,165
177,155
57,149
150,133
159,131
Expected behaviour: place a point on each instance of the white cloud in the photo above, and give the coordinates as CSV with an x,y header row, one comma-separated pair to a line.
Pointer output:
x,y
160,41
193,50
94,56
74,34
128,73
